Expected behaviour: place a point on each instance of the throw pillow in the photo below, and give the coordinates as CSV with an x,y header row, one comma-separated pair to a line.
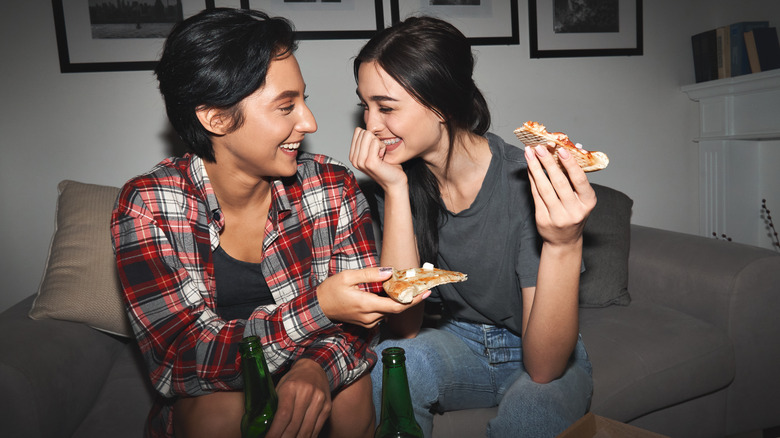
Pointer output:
x,y
606,240
80,281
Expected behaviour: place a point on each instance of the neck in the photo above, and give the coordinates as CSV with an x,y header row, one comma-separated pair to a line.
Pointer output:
x,y
470,154
460,181
235,190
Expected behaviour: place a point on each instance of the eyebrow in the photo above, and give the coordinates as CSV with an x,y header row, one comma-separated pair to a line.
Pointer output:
x,y
289,94
377,98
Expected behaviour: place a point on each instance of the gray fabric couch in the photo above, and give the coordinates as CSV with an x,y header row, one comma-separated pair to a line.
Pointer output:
x,y
694,354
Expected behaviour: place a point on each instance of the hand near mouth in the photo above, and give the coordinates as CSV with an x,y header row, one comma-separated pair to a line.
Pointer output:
x,y
367,154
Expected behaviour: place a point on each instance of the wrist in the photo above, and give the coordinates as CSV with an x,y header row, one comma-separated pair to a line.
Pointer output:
x,y
563,247
397,188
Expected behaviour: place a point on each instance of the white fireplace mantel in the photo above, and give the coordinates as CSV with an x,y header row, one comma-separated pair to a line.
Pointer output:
x,y
739,154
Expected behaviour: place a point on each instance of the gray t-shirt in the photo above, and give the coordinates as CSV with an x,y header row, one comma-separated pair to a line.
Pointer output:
x,y
494,241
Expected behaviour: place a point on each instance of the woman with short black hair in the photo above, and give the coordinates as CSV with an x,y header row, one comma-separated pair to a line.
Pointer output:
x,y
245,235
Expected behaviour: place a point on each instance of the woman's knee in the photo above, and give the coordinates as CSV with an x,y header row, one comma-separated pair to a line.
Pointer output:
x,y
543,409
352,414
428,364
420,358
217,414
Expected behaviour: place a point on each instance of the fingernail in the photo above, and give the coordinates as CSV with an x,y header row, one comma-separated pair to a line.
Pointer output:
x,y
426,295
385,270
563,154
541,150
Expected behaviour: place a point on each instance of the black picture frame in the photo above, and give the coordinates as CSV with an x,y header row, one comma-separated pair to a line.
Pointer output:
x,y
334,23
546,42
464,19
79,52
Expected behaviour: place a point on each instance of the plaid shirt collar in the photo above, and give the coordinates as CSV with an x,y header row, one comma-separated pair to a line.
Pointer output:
x,y
280,204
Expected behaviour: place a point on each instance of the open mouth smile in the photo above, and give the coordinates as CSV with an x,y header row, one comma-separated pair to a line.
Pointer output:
x,y
391,144
291,146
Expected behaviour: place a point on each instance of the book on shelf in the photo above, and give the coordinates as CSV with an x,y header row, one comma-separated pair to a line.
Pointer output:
x,y
705,55
723,48
763,49
722,52
740,65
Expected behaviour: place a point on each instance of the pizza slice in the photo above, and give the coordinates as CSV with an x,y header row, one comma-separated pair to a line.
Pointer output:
x,y
533,134
406,284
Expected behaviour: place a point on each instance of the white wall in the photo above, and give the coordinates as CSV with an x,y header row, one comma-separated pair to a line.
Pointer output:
x,y
106,127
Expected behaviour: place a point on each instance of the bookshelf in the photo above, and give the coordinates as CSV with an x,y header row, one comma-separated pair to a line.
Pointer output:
x,y
739,154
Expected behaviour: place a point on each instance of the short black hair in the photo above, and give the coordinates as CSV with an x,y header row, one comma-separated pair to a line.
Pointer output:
x,y
215,59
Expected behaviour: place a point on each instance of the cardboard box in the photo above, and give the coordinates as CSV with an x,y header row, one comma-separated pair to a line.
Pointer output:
x,y
595,426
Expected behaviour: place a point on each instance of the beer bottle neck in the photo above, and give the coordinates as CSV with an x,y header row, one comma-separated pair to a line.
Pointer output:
x,y
396,400
397,413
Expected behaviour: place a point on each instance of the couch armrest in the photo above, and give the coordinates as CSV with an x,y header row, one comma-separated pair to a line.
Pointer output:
x,y
706,278
50,372
732,286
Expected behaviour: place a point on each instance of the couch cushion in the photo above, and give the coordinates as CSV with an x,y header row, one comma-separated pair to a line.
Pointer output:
x,y
51,371
647,357
466,423
606,241
127,389
80,281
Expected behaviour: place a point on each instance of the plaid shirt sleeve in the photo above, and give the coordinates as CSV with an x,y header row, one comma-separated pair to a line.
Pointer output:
x,y
163,237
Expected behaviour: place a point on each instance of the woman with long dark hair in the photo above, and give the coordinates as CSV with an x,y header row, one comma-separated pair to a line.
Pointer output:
x,y
459,197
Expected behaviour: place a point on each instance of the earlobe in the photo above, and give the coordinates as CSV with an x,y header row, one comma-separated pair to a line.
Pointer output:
x,y
211,119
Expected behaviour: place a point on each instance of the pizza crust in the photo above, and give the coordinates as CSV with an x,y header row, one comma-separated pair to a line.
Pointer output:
x,y
406,284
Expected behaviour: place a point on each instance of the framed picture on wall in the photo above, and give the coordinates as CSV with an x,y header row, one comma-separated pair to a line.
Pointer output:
x,y
102,35
227,4
571,28
484,22
325,19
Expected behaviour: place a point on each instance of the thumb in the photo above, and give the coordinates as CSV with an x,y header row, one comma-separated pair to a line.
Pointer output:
x,y
371,275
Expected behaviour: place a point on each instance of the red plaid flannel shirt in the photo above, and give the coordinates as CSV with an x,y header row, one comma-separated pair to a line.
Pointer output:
x,y
166,224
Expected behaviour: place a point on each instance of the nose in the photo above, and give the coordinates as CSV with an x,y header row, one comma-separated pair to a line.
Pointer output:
x,y
307,123
374,122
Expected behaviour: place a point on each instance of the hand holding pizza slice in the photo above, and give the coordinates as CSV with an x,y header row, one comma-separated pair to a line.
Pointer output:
x,y
406,284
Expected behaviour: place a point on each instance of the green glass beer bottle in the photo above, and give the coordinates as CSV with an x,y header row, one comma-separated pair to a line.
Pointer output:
x,y
397,415
260,400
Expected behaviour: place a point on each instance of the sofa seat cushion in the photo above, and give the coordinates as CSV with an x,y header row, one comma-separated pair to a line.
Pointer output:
x,y
127,389
468,423
647,357
51,372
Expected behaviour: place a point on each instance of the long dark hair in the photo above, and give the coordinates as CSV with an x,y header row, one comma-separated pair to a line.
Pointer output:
x,y
215,59
432,60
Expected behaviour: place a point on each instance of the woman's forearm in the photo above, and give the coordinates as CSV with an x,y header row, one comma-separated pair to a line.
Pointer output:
x,y
399,246
399,250
551,322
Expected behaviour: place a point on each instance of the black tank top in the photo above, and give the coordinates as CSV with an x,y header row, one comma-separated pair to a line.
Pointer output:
x,y
241,286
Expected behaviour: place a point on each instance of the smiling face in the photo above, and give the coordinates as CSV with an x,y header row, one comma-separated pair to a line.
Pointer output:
x,y
275,120
408,128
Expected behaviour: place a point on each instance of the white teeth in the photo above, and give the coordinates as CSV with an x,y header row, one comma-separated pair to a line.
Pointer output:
x,y
291,146
392,141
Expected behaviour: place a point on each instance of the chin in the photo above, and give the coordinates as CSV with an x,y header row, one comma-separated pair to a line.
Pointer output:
x,y
395,157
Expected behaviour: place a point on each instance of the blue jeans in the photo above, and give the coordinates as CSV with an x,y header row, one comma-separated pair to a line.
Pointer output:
x,y
462,365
